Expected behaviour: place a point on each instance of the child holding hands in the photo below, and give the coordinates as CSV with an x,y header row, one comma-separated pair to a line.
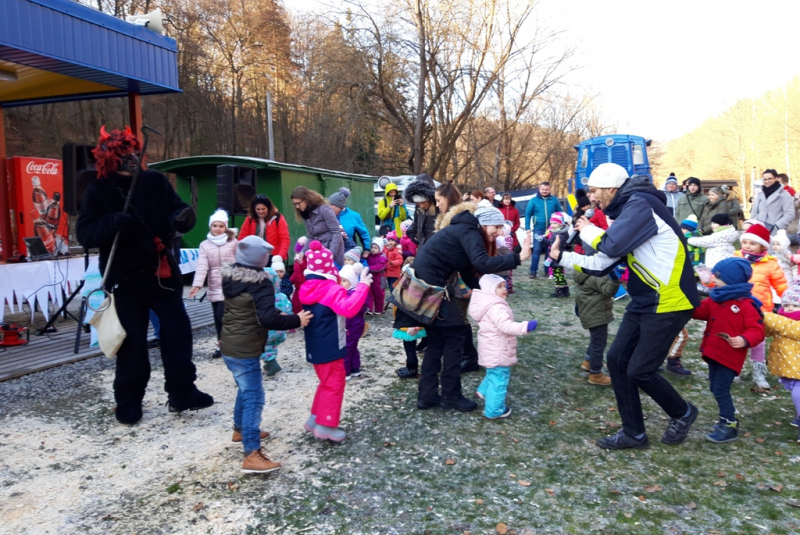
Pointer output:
x,y
497,342
784,352
734,323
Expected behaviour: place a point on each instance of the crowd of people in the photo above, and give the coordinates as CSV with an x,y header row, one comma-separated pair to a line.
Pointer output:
x,y
451,261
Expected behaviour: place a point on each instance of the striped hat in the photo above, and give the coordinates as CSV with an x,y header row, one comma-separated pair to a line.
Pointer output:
x,y
557,218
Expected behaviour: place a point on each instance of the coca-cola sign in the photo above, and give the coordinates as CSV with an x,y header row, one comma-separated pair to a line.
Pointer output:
x,y
49,168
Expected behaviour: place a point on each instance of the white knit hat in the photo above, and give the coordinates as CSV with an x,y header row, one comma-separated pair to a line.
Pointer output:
x,y
277,263
380,242
349,274
220,216
489,283
608,175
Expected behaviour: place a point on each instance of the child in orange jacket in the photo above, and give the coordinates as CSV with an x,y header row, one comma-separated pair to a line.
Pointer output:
x,y
767,275
394,257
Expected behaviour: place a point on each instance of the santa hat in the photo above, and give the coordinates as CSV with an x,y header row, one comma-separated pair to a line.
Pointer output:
x,y
758,234
320,262
489,283
277,263
349,274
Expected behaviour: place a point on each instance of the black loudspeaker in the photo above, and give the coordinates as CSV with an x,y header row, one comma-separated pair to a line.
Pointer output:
x,y
79,171
236,187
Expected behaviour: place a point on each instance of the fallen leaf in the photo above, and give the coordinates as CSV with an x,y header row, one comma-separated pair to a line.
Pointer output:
x,y
615,491
642,499
198,506
553,422
692,505
778,423
550,491
512,475
524,483
776,488
739,477
579,409
779,452
793,503
627,515
388,444
720,483
478,502
449,462
515,440
652,488
760,440
720,474
612,409
746,435
501,528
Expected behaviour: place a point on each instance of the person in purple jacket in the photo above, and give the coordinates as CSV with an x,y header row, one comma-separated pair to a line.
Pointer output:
x,y
377,267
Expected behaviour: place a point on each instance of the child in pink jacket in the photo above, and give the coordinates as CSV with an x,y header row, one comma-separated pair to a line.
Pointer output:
x,y
497,342
326,336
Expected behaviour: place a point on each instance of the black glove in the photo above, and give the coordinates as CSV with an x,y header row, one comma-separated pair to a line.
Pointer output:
x,y
125,222
185,220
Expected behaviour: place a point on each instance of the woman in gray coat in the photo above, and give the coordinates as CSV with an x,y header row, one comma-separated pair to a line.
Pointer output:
x,y
773,206
717,204
321,224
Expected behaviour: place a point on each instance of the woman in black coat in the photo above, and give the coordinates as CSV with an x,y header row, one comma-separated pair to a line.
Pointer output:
x,y
461,247
422,192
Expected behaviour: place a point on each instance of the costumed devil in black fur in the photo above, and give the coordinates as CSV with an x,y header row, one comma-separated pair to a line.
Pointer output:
x,y
144,274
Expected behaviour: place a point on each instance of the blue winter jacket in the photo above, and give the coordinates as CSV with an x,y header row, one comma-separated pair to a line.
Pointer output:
x,y
352,222
541,208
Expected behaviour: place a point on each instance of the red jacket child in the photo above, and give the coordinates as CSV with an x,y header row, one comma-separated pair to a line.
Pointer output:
x,y
394,256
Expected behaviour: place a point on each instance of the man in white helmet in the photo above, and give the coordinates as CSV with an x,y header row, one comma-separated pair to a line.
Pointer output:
x,y
663,294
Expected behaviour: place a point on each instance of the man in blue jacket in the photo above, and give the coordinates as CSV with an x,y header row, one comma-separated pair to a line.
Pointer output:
x,y
351,221
540,207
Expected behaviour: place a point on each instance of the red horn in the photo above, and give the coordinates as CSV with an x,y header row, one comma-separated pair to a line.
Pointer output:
x,y
103,134
128,132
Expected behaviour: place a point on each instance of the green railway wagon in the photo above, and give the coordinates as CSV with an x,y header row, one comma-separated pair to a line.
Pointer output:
x,y
274,179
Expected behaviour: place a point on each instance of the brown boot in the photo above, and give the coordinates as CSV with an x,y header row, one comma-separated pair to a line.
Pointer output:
x,y
585,366
237,435
599,379
258,463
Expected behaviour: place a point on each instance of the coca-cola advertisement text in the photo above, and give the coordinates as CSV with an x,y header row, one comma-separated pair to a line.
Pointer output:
x,y
37,185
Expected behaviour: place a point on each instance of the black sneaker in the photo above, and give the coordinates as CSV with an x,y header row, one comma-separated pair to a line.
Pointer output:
x,y
216,354
532,276
621,441
678,428
470,364
460,404
425,405
406,373
674,366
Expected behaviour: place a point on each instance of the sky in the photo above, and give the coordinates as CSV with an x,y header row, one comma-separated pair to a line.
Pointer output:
x,y
660,68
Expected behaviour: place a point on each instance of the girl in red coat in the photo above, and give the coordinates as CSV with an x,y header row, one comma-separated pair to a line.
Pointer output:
x,y
734,323
510,213
266,222
394,257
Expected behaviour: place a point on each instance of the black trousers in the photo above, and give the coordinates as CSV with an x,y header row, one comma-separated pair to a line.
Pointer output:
x,y
219,308
134,299
640,347
443,354
410,347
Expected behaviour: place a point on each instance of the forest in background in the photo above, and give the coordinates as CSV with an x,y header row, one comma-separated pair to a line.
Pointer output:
x,y
752,135
468,90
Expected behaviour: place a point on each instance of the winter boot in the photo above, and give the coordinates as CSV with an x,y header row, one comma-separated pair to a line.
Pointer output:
x,y
258,463
237,435
310,424
195,401
271,367
585,365
599,379
759,375
128,412
335,434
407,373
674,366
460,404
561,291
470,364
725,431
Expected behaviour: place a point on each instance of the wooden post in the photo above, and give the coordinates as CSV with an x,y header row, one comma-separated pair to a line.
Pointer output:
x,y
5,205
135,111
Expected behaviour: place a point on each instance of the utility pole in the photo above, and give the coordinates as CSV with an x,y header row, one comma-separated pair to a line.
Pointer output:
x,y
270,138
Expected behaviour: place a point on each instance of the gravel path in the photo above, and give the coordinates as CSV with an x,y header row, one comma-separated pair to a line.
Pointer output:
x,y
68,467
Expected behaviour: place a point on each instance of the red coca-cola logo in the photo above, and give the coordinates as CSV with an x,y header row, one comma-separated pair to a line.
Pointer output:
x,y
49,168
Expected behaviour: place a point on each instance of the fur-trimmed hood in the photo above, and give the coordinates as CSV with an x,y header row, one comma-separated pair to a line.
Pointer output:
x,y
243,274
444,219
421,186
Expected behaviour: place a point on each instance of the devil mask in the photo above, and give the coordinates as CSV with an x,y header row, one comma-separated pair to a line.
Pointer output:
x,y
117,151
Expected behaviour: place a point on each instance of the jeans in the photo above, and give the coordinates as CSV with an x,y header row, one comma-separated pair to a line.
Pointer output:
x,y
536,251
494,388
249,399
598,338
640,347
720,379
156,325
443,353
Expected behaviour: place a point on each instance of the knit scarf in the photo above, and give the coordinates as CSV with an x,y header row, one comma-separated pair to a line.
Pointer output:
x,y
734,291
791,315
753,257
220,240
769,190
305,214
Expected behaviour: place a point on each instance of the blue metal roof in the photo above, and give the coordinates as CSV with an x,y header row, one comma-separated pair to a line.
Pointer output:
x,y
65,37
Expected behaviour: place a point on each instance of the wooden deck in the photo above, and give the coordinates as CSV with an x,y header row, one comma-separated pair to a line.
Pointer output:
x,y
55,349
